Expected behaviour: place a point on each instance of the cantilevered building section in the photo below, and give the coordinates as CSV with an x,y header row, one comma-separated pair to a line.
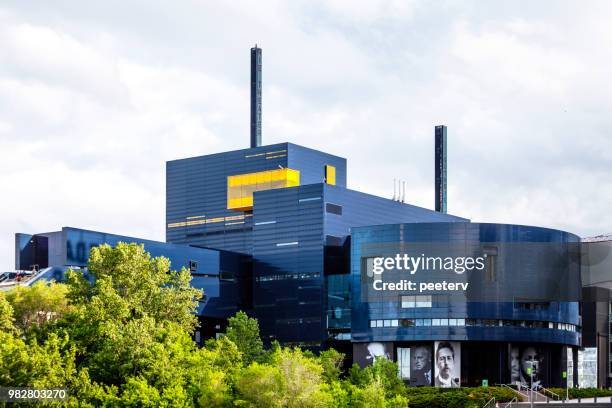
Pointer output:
x,y
210,200
440,136
255,96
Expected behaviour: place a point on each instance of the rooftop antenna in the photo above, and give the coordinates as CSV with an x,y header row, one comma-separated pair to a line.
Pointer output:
x,y
393,189
403,191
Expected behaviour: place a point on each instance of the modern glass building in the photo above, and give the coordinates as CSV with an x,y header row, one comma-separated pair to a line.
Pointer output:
x,y
274,231
521,309
209,199
220,274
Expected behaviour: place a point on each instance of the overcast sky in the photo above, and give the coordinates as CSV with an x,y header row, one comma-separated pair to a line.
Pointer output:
x,y
96,96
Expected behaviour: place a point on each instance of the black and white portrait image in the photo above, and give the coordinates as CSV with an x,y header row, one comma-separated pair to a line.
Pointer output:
x,y
448,364
531,357
420,364
515,365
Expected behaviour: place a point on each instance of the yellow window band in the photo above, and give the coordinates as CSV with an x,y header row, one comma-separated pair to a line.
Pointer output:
x,y
240,187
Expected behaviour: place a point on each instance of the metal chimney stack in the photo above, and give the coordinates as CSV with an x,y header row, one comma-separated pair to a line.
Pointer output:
x,y
256,96
440,170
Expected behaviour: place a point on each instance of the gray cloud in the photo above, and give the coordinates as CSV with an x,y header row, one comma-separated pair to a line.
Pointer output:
x,y
95,97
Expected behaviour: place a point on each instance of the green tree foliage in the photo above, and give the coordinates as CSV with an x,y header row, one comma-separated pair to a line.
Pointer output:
x,y
383,372
129,285
51,364
331,361
125,341
292,379
260,386
244,332
6,315
302,375
38,304
369,395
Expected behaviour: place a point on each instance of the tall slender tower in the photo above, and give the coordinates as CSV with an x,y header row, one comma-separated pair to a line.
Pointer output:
x,y
441,170
255,96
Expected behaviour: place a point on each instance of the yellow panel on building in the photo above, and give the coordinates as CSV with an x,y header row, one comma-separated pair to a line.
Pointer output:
x,y
240,188
330,174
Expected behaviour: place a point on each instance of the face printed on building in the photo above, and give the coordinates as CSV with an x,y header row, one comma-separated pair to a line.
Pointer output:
x,y
376,350
420,358
445,361
530,358
514,364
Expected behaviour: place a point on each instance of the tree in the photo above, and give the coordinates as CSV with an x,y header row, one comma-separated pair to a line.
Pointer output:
x,y
6,315
244,332
125,339
291,379
129,284
370,395
260,385
50,364
331,360
303,378
135,318
382,373
38,304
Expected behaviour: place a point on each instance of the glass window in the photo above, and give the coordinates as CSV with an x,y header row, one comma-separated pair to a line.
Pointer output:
x,y
408,302
394,323
435,322
423,301
426,322
443,322
460,322
372,323
240,188
333,208
330,174
403,362
490,252
387,323
368,265
419,322
406,322
452,322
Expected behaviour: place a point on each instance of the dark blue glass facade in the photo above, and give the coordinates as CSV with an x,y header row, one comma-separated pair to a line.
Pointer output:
x,y
220,274
300,246
491,327
196,192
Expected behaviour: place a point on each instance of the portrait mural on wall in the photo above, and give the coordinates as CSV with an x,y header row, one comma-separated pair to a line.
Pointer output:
x,y
524,358
420,364
447,364
515,365
377,350
365,354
